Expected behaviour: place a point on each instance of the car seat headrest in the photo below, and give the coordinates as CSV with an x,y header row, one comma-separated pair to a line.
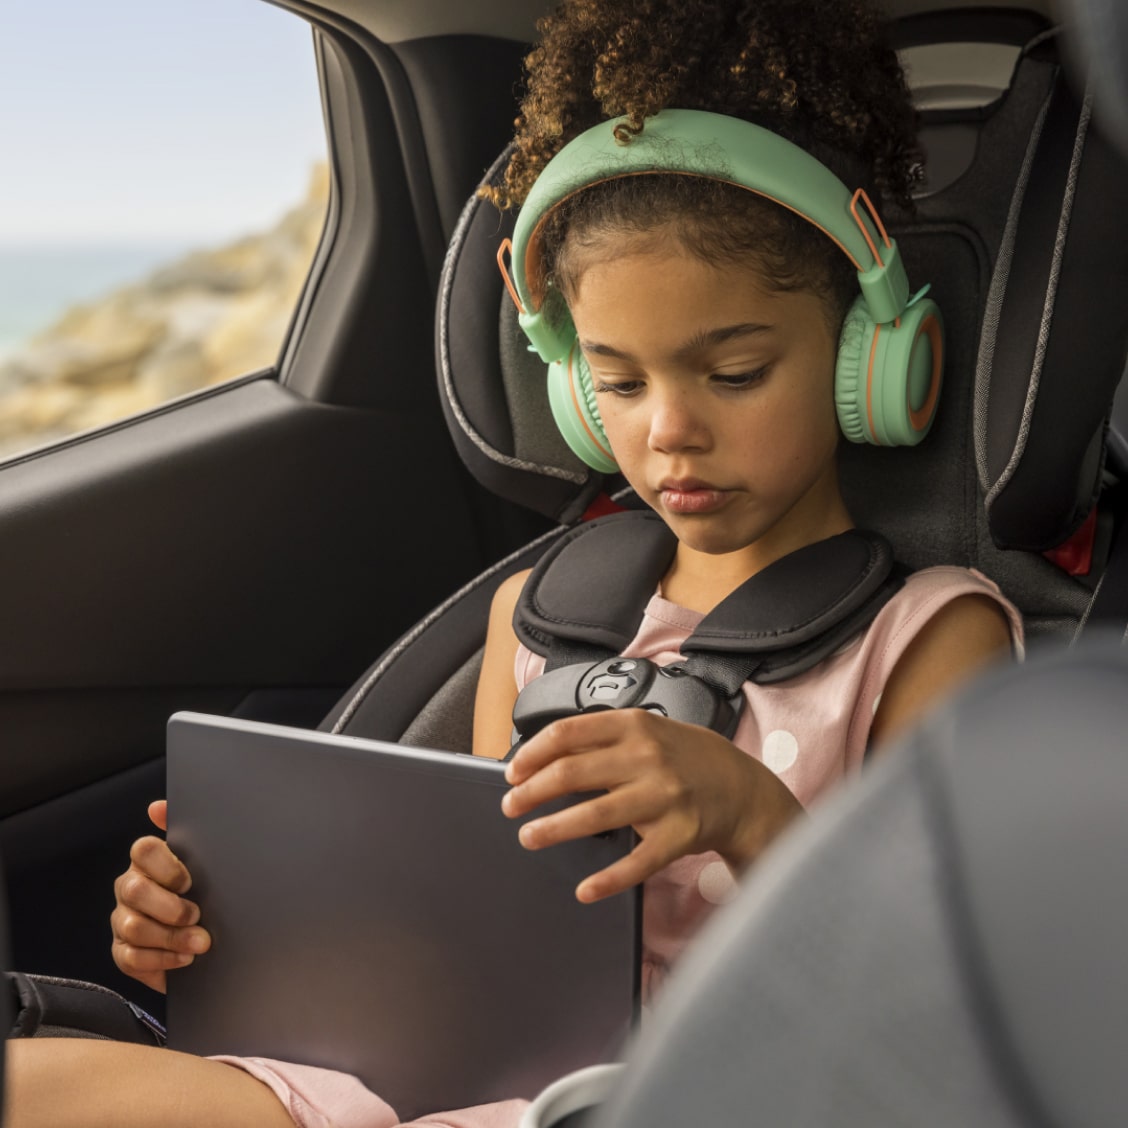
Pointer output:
x,y
492,388
941,944
1052,343
1054,335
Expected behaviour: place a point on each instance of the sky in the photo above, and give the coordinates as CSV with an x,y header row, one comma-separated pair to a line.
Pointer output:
x,y
141,121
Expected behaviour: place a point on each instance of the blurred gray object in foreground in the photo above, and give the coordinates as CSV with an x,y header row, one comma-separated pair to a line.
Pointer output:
x,y
943,943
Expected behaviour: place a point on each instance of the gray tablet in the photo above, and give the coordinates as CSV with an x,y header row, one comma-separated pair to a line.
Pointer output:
x,y
372,911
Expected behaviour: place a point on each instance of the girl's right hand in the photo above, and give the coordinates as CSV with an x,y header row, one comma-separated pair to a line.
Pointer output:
x,y
154,927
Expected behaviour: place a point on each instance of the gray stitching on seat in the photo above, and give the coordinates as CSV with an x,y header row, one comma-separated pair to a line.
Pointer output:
x,y
1088,611
464,423
389,658
1051,298
996,295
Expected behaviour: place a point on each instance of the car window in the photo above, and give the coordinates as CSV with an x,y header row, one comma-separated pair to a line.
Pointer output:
x,y
165,188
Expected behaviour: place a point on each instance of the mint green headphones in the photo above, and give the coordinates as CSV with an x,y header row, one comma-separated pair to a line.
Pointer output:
x,y
890,354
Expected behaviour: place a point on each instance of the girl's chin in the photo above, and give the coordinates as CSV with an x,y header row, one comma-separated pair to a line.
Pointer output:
x,y
714,538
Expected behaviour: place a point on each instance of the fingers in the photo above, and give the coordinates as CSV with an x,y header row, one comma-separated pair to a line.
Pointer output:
x,y
652,854
153,857
148,966
140,892
154,928
587,752
158,813
145,948
665,836
634,805
136,930
569,736
684,789
568,775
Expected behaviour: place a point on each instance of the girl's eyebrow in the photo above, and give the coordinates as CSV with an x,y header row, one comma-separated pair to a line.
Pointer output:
x,y
699,342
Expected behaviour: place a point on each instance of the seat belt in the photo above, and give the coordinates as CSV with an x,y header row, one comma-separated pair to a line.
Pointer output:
x,y
584,601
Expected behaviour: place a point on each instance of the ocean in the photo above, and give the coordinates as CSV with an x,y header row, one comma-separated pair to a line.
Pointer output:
x,y
40,283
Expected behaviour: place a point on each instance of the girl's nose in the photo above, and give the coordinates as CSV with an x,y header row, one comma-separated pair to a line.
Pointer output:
x,y
675,423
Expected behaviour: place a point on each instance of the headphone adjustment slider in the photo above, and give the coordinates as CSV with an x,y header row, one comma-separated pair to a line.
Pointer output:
x,y
886,287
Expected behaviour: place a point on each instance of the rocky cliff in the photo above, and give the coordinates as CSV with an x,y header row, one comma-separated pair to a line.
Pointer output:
x,y
208,317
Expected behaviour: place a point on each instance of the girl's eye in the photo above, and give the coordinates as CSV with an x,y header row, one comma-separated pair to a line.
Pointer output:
x,y
739,380
618,388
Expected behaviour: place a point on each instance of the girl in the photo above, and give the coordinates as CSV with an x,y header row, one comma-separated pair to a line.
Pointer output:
x,y
710,320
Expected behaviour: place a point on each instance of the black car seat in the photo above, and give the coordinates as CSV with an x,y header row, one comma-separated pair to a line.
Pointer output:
x,y
1016,217
944,945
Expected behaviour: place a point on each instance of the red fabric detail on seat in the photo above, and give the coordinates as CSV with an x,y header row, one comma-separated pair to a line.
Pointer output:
x,y
1075,556
602,506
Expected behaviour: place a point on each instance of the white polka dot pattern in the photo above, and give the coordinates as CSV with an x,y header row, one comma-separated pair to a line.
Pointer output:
x,y
716,884
780,750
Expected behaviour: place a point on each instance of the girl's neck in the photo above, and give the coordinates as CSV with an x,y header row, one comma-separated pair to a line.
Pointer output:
x,y
699,580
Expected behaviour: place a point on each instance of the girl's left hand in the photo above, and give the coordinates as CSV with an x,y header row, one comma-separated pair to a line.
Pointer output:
x,y
683,788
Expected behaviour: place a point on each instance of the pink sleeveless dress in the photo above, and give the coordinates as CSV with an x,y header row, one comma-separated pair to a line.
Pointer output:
x,y
811,731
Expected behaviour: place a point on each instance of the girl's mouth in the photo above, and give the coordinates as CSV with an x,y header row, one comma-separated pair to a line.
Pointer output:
x,y
688,496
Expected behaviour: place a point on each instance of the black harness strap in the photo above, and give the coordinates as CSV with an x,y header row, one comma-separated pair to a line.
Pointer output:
x,y
586,596
796,612
585,599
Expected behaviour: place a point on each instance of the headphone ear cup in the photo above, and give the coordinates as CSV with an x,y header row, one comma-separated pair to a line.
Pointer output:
x,y
850,374
887,378
572,399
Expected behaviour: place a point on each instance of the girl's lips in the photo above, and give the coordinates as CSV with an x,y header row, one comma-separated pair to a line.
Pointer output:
x,y
691,497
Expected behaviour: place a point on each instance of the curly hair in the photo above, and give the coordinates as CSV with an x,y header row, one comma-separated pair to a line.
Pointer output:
x,y
817,72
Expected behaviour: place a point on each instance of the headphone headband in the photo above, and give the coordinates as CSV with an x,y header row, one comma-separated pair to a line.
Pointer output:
x,y
700,143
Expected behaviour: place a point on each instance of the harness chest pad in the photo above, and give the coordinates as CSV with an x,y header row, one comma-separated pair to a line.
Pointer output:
x,y
585,599
592,587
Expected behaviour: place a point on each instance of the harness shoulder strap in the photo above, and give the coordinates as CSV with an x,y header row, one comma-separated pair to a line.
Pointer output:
x,y
584,601
586,596
796,612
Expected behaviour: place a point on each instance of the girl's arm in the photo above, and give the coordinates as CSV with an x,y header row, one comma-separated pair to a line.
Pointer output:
x,y
686,790
958,641
497,686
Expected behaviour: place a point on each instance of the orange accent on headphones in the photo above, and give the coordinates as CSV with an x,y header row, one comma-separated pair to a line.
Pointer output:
x,y
869,387
507,245
919,419
860,194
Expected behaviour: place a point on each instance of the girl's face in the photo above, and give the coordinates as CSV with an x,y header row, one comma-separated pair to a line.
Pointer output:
x,y
716,393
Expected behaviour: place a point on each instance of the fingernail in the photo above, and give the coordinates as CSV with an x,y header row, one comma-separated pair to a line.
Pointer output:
x,y
197,943
526,834
183,959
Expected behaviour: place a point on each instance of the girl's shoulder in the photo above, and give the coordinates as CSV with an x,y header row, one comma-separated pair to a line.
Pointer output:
x,y
961,596
927,592
939,585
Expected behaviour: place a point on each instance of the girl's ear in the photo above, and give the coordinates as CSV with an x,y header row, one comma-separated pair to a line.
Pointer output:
x,y
572,398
